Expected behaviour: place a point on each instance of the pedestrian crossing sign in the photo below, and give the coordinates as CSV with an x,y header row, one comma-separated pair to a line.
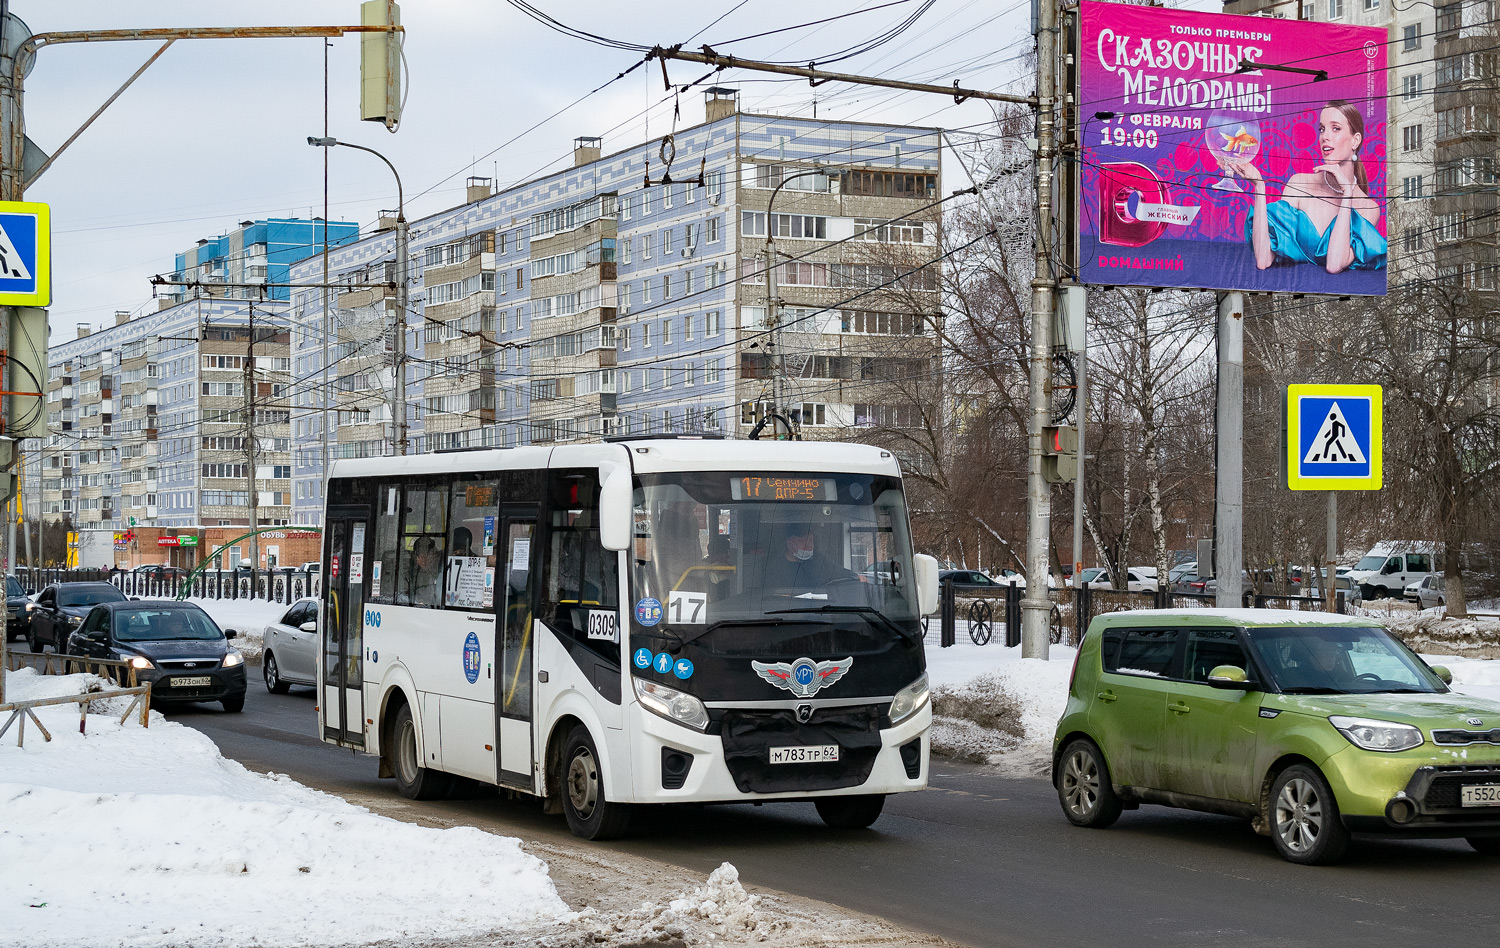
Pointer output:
x,y
25,254
1333,437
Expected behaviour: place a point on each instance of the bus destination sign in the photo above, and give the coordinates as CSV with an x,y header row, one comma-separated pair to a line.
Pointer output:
x,y
769,487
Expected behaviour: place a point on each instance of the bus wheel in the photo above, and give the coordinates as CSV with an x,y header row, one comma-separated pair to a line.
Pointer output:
x,y
589,814
855,813
413,781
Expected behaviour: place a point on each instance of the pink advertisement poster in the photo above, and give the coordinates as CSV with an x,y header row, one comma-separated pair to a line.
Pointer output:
x,y
1198,169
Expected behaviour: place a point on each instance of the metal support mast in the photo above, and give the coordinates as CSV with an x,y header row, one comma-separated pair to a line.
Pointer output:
x,y
1036,607
1229,499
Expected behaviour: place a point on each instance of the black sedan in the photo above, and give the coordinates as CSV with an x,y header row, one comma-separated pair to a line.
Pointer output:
x,y
59,609
174,645
16,602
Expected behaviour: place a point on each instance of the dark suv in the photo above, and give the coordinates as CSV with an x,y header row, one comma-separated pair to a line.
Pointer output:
x,y
60,608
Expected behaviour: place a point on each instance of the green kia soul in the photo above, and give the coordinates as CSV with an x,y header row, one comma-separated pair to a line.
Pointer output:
x,y
1314,726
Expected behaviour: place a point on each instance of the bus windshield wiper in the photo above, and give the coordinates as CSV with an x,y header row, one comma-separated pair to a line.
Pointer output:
x,y
723,623
874,616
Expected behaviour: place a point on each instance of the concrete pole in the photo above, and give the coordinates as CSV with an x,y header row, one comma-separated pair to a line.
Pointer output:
x,y
12,134
1036,607
399,409
1229,500
249,376
1080,414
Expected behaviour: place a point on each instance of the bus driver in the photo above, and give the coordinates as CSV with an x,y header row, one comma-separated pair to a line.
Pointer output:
x,y
801,565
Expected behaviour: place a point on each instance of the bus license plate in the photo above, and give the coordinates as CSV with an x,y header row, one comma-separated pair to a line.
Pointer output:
x,y
811,754
191,682
1487,794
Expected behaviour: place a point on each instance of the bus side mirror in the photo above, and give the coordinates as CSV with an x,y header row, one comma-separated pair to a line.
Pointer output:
x,y
615,515
927,584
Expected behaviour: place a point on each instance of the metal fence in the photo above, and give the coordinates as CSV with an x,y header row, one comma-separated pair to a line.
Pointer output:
x,y
276,585
990,609
118,673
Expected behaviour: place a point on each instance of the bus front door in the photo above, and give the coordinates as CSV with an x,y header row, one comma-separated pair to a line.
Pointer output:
x,y
346,540
513,704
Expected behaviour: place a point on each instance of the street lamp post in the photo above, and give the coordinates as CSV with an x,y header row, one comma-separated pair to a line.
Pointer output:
x,y
398,393
773,305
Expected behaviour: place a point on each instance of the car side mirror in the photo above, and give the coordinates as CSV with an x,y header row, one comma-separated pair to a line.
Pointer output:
x,y
926,568
1442,672
230,633
97,635
1230,677
308,627
135,598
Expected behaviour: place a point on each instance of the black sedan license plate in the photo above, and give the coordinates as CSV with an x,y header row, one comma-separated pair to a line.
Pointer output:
x,y
202,682
808,754
1484,794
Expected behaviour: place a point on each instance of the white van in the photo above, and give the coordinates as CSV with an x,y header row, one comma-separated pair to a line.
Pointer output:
x,y
1389,567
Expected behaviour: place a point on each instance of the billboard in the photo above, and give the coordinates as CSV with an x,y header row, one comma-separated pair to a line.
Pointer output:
x,y
1193,173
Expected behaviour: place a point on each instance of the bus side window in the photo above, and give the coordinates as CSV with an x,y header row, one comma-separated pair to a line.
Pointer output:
x,y
471,543
387,542
581,582
423,541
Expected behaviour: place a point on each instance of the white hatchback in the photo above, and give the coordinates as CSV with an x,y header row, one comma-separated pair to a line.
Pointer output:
x,y
291,648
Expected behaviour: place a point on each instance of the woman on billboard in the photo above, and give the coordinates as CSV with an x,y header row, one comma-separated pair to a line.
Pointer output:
x,y
1325,217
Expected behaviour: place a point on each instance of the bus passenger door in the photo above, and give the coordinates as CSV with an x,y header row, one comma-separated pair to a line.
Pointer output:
x,y
346,557
513,700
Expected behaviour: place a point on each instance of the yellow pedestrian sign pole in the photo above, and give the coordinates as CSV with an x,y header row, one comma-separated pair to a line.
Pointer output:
x,y
1333,443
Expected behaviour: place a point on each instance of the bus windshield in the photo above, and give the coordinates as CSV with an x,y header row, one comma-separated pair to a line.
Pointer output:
x,y
729,548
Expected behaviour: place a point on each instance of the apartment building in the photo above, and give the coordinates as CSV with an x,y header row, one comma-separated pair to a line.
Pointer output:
x,y
1464,177
149,420
253,261
1411,116
628,294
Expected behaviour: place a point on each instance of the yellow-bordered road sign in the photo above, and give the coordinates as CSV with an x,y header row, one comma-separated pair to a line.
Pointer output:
x,y
25,254
1333,437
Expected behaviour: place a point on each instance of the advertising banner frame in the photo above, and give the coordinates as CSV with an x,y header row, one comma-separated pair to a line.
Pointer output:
x,y
1198,170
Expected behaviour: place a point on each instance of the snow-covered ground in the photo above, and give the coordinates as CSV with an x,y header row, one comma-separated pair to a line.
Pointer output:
x,y
147,837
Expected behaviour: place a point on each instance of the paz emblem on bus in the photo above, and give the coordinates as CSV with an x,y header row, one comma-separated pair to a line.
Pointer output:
x,y
804,677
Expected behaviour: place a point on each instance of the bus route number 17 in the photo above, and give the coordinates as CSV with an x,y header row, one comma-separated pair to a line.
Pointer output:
x,y
687,608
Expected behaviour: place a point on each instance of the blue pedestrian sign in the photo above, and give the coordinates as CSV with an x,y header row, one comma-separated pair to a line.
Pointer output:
x,y
1333,437
25,254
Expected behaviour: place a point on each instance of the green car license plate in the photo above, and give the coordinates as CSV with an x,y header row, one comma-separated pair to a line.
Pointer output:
x,y
192,682
1485,794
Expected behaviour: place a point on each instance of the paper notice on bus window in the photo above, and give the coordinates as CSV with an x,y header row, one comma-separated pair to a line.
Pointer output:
x,y
687,608
520,554
390,502
489,586
604,625
375,579
465,582
356,567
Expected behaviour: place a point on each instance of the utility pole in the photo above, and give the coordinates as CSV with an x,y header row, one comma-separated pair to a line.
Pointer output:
x,y
399,417
249,376
1229,499
1036,606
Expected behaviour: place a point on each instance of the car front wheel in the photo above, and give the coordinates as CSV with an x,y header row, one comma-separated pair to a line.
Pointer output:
x,y
1083,787
272,671
1304,818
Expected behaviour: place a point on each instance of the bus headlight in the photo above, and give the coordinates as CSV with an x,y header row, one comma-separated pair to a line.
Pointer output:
x,y
909,700
671,704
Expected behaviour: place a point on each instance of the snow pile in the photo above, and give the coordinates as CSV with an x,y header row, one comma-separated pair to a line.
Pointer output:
x,y
992,706
145,837
1475,677
718,912
1431,631
722,903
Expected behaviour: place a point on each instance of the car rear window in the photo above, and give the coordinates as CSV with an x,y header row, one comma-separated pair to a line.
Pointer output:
x,y
1145,652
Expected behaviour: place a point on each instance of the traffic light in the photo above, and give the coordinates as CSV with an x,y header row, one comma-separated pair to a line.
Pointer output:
x,y
380,64
1060,454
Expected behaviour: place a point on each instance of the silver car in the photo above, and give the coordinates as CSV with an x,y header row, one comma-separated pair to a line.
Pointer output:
x,y
1426,592
291,648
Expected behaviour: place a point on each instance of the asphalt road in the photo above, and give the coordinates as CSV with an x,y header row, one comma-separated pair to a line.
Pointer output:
x,y
981,859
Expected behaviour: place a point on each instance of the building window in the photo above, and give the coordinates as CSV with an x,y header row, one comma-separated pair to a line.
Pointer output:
x,y
666,286
1411,138
645,202
625,205
645,246
1412,187
666,332
666,196
1372,4
1411,86
625,337
1335,9
687,328
687,283
625,252
1449,18
666,241
645,292
713,230
1411,37
645,335
711,323
711,372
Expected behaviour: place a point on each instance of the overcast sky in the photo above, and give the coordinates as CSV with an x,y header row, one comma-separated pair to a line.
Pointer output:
x,y
215,132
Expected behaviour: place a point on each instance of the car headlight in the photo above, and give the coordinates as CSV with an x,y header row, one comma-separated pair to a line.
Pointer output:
x,y
671,704
140,661
30,606
233,658
909,700
1372,735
